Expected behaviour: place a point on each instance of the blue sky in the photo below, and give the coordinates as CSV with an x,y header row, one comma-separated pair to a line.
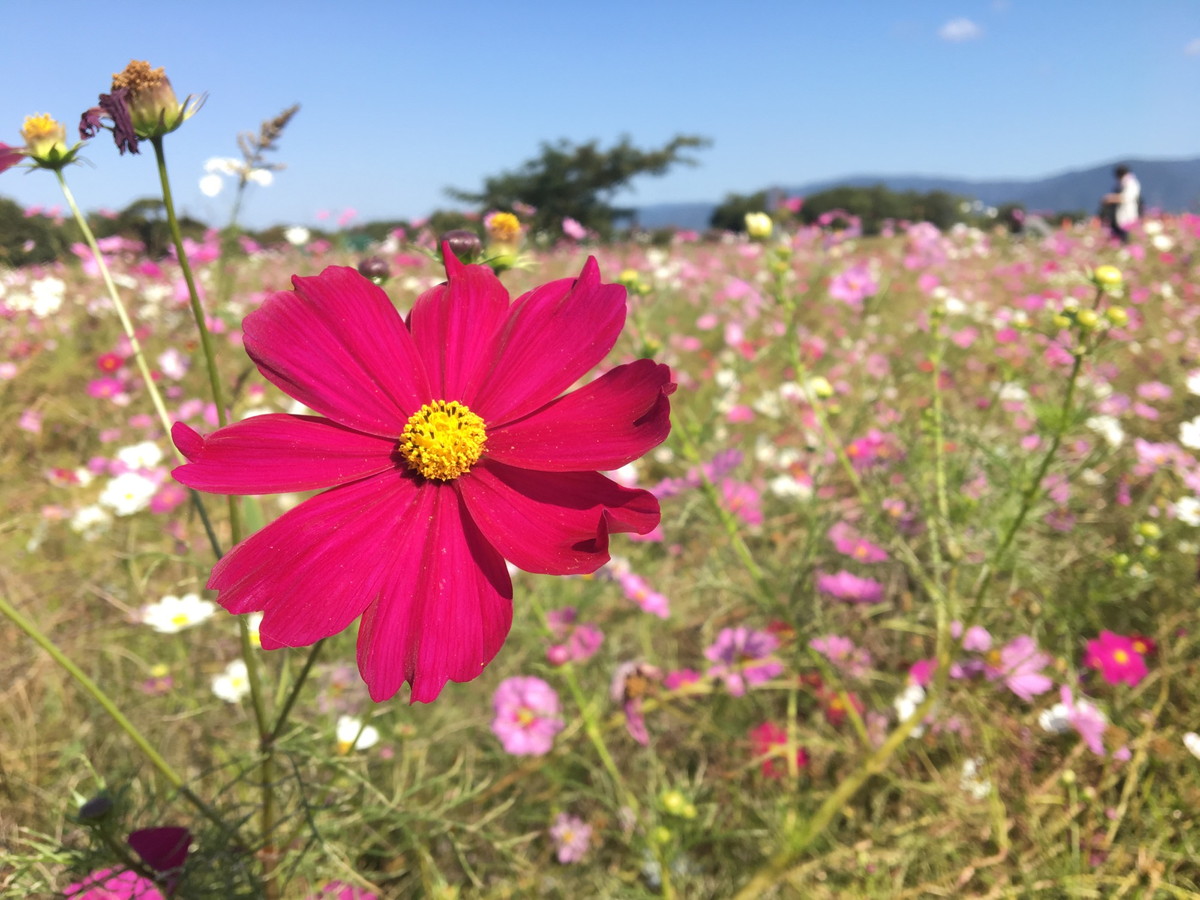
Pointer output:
x,y
402,99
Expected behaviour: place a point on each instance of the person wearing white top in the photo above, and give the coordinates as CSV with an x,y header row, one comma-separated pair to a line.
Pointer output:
x,y
1126,201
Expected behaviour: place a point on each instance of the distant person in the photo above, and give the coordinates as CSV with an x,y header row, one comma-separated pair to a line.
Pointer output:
x,y
1122,207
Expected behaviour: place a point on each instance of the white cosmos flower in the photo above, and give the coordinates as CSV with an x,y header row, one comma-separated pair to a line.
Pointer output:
x,y
971,782
172,614
1193,382
90,521
1187,511
261,177
222,165
128,493
1191,740
211,185
145,455
1189,434
1108,428
297,235
233,684
353,735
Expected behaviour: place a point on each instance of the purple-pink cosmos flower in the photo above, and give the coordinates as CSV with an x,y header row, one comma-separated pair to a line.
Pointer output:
x,y
526,719
743,658
447,446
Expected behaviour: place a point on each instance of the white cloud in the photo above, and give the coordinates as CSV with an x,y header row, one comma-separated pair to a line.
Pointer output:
x,y
960,30
1193,47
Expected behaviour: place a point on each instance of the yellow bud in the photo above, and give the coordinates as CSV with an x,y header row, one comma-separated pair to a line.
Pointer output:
x,y
1061,321
673,802
661,835
1087,318
1117,315
1149,530
1107,276
759,225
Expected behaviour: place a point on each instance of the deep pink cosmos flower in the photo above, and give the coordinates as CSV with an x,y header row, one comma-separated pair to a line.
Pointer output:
x,y
1117,658
769,742
447,447
10,156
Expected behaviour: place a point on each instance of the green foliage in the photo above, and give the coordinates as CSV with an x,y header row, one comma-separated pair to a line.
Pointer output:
x,y
578,181
875,204
145,221
731,214
33,239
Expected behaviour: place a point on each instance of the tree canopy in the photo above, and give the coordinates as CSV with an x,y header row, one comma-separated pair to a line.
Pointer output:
x,y
578,181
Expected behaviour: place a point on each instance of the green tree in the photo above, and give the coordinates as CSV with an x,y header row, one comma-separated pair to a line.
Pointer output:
x,y
578,181
25,240
731,214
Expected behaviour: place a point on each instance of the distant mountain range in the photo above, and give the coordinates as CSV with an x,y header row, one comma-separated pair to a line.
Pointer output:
x,y
1169,185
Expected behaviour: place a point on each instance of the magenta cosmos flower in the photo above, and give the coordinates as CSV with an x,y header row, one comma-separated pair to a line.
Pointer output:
x,y
446,448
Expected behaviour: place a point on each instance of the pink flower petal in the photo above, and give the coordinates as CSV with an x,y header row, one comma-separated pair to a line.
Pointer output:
x,y
454,328
275,453
443,611
313,570
10,156
553,336
603,425
337,345
555,523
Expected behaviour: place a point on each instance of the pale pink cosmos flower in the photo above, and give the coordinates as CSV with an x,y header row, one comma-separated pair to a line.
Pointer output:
x,y
1019,663
846,586
447,446
572,837
526,716
843,654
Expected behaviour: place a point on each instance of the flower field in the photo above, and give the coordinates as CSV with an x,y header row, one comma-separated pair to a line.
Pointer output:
x,y
903,605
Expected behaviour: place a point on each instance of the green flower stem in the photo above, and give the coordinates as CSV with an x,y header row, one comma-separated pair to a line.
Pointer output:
x,y
727,519
269,853
1032,491
97,693
126,324
214,378
294,692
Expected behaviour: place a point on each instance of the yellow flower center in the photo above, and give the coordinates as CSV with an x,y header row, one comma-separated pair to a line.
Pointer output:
x,y
443,439
504,227
1120,657
39,127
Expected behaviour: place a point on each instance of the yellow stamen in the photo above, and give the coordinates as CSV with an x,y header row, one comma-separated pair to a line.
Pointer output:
x,y
443,440
41,126
1120,656
504,227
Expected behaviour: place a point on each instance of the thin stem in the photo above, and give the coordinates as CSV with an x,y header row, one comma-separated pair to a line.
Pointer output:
x,y
294,692
126,323
214,378
269,853
97,693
